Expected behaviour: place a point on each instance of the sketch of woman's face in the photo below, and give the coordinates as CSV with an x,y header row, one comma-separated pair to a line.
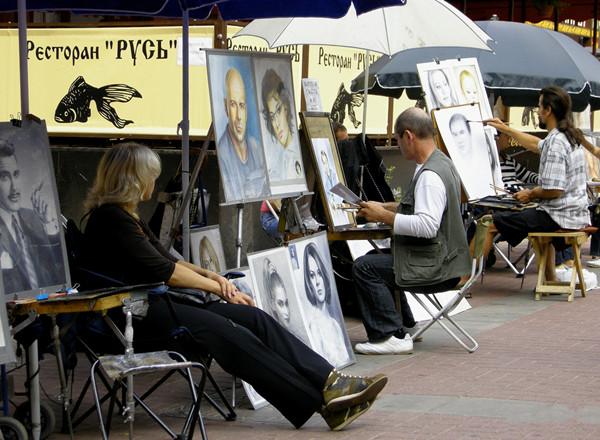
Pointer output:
x,y
469,87
280,303
440,88
278,115
315,276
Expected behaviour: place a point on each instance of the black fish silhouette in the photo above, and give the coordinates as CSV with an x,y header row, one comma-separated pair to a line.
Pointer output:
x,y
343,100
75,105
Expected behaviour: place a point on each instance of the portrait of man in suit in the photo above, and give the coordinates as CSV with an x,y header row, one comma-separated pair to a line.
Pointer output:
x,y
30,247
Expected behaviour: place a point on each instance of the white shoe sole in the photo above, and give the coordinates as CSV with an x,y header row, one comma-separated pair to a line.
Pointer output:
x,y
367,351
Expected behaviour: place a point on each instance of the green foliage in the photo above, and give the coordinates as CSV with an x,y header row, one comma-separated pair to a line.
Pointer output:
x,y
389,175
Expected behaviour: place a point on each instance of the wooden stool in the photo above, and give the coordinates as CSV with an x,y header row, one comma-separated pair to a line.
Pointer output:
x,y
541,242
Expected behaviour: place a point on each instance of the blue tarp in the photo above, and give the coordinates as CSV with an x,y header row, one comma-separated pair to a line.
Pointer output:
x,y
230,9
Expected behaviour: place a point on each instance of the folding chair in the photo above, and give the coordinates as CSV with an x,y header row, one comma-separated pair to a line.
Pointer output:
x,y
122,369
527,256
441,314
117,376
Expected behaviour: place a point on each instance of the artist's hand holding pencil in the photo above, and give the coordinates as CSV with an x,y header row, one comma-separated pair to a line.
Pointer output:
x,y
497,123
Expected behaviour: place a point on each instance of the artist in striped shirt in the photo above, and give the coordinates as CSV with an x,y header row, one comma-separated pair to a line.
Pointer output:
x,y
514,175
561,196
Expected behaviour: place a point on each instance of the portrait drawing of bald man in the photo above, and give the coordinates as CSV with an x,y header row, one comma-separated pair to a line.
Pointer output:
x,y
235,114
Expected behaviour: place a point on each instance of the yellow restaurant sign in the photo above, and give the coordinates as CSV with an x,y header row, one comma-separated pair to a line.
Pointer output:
x,y
564,28
127,81
105,81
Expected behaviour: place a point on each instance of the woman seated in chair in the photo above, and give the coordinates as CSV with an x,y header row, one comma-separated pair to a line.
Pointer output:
x,y
244,340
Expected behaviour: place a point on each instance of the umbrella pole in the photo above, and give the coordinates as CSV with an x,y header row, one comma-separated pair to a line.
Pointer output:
x,y
366,95
34,382
185,132
23,73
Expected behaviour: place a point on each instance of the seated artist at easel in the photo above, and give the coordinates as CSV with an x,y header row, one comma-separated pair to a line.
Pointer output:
x,y
430,248
244,340
562,195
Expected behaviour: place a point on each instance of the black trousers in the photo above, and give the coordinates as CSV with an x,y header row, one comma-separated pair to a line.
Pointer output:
x,y
514,226
249,344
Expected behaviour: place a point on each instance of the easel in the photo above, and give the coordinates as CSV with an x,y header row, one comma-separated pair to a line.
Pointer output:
x,y
187,196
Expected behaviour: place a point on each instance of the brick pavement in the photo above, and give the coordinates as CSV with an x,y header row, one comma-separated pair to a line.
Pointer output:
x,y
533,377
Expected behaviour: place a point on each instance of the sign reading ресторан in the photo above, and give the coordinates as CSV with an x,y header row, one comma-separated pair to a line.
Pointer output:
x,y
90,81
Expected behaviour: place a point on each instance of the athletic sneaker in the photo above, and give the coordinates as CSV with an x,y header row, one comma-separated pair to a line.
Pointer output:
x,y
342,391
412,330
594,263
337,420
392,345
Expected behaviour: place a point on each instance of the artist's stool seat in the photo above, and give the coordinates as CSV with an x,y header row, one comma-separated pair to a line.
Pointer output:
x,y
541,242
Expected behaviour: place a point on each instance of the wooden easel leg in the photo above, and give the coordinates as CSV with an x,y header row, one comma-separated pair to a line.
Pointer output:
x,y
579,267
540,249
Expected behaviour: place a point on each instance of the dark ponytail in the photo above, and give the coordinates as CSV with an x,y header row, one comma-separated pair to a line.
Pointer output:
x,y
559,102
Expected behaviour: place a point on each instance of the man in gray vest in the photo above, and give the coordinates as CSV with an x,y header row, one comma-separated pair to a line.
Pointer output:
x,y
429,248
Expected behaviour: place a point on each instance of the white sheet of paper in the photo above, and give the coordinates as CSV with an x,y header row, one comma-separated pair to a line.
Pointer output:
x,y
420,314
339,189
312,96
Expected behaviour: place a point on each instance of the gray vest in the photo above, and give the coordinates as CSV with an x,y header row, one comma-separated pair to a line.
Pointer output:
x,y
428,261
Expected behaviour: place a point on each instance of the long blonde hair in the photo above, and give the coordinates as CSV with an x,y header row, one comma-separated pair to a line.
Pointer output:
x,y
125,173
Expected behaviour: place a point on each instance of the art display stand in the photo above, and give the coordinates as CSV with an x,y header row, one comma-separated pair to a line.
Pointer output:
x,y
187,196
238,237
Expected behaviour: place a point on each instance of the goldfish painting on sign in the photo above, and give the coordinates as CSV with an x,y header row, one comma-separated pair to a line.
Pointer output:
x,y
75,105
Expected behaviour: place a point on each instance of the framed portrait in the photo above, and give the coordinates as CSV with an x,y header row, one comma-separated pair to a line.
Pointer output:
x,y
207,248
275,290
256,132
470,85
328,168
33,254
438,84
278,123
244,284
236,120
463,135
313,275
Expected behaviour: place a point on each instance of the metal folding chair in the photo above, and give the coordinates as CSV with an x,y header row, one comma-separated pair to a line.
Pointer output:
x,y
441,314
527,256
122,369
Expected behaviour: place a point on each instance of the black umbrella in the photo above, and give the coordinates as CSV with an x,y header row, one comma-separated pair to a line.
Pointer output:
x,y
525,59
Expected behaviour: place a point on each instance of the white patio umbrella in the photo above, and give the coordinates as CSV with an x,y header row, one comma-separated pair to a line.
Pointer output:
x,y
418,23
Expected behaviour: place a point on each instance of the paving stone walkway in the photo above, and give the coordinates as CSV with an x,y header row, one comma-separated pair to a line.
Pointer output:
x,y
535,376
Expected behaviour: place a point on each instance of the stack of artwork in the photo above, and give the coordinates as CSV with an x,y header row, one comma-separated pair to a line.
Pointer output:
x,y
455,94
294,285
252,101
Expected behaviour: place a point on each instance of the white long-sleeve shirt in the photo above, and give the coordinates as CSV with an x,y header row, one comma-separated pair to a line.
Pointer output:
x,y
430,203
